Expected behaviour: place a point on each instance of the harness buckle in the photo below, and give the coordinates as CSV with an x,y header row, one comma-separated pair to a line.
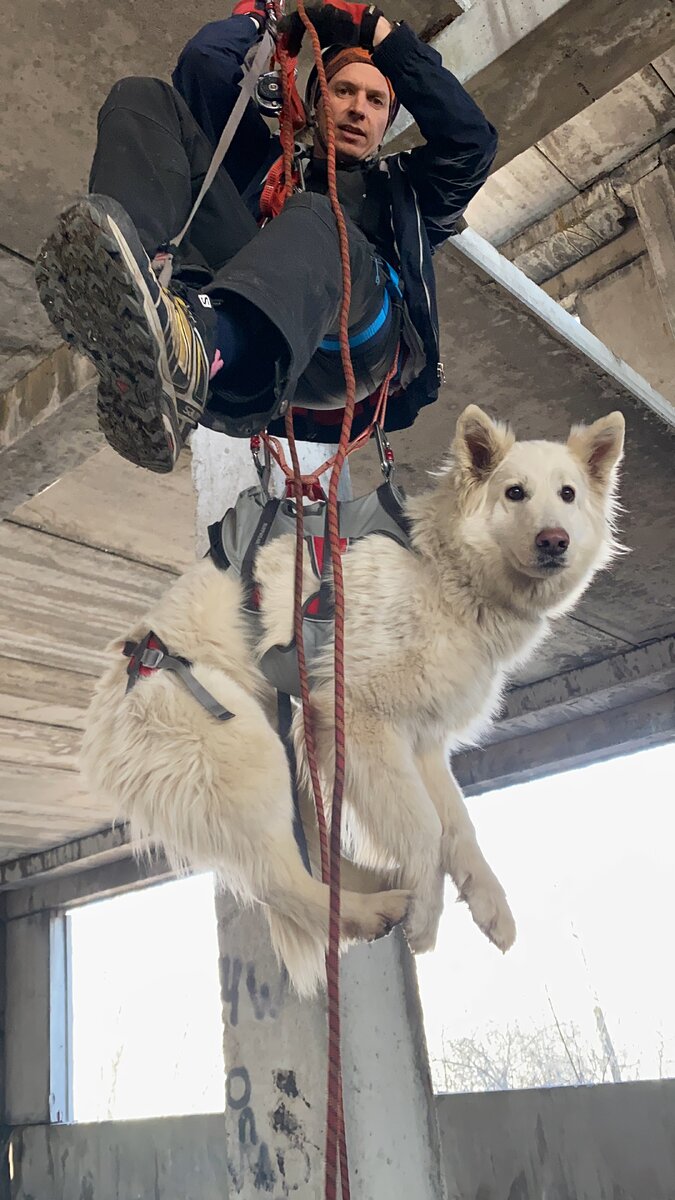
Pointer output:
x,y
151,658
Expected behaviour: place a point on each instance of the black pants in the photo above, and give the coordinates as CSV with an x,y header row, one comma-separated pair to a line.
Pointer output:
x,y
151,156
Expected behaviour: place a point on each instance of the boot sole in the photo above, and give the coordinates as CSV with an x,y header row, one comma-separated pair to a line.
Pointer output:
x,y
95,296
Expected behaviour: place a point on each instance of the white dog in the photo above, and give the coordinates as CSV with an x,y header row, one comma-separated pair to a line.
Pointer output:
x,y
507,539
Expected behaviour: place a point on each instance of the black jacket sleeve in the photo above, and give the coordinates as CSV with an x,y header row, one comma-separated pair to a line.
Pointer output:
x,y
207,75
461,143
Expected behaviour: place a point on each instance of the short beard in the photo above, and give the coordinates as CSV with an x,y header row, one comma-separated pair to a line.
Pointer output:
x,y
348,161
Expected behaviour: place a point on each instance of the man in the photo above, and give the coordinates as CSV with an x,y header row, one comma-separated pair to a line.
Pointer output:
x,y
249,323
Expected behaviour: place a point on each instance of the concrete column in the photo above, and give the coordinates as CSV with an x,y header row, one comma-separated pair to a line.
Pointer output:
x,y
4,1128
3,1002
275,1045
27,1017
654,197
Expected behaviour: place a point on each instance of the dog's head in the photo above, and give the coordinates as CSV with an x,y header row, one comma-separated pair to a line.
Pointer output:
x,y
542,512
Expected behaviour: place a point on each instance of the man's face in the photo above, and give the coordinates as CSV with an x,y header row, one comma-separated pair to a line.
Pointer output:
x,y
359,100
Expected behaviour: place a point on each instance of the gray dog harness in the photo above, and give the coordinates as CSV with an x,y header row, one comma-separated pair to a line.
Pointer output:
x,y
257,519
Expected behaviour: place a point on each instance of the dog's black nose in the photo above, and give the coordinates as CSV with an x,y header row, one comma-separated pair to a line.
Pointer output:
x,y
552,541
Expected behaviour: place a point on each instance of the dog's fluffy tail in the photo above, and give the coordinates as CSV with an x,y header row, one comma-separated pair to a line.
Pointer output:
x,y
301,952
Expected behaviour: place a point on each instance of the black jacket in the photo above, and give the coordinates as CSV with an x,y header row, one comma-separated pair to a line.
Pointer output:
x,y
430,186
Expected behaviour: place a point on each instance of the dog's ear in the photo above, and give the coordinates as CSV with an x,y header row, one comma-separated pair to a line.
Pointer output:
x,y
599,446
480,443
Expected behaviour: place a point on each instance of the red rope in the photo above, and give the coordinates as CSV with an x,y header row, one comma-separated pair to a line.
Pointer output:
x,y
330,855
336,1145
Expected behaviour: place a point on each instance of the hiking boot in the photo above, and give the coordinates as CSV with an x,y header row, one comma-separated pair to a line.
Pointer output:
x,y
149,344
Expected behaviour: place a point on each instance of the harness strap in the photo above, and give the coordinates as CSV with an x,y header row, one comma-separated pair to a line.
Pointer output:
x,y
285,715
259,538
151,654
216,549
389,499
251,76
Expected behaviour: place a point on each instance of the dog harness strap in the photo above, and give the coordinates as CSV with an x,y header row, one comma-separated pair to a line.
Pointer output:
x,y
151,654
216,549
391,504
285,716
259,538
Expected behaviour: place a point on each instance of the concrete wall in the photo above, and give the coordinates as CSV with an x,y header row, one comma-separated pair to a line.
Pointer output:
x,y
176,1158
602,1143
613,1142
626,312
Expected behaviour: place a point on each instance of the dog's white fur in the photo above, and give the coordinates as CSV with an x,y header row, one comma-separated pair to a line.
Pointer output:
x,y
430,639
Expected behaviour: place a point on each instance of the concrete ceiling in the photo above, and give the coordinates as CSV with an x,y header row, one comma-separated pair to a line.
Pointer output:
x,y
82,558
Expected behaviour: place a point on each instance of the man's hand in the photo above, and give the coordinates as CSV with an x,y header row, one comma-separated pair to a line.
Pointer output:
x,y
337,24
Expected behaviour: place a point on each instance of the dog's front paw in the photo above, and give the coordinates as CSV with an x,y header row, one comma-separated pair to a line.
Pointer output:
x,y
489,908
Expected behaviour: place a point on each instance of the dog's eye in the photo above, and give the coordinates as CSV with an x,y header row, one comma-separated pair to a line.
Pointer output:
x,y
567,494
515,493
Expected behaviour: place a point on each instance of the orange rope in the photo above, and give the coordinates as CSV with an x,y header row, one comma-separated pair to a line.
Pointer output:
x,y
330,850
335,1128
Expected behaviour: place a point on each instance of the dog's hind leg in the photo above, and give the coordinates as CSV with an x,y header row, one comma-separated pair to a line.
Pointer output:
x,y
298,915
461,855
392,810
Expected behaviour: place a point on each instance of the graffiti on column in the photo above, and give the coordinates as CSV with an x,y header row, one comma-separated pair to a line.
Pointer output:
x,y
287,1167
279,1165
265,1001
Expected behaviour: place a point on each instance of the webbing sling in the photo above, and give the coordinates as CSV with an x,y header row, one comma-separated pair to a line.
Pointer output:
x,y
251,76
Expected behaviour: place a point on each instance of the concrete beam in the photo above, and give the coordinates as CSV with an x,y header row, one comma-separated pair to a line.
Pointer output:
x,y
95,850
625,730
42,417
533,66
96,883
597,265
583,225
428,17
626,312
632,676
654,196
57,444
